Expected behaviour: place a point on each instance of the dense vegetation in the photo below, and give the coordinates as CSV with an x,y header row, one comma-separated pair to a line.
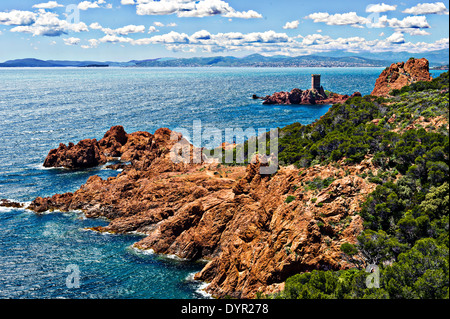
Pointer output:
x,y
406,219
348,130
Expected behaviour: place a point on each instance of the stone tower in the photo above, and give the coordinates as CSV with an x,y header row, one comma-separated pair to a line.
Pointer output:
x,y
315,82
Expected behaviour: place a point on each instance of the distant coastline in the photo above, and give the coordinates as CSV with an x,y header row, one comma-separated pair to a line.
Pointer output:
x,y
442,67
438,59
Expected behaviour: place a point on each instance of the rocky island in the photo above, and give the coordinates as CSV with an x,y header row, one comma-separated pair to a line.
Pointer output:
x,y
353,189
315,95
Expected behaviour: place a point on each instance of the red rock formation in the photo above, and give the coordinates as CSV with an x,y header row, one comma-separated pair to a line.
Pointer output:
x,y
310,96
10,204
401,74
234,217
113,140
138,148
86,153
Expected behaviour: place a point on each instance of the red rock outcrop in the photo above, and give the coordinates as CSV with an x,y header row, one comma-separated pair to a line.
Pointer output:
x,y
255,230
139,148
86,153
310,96
10,204
113,140
401,74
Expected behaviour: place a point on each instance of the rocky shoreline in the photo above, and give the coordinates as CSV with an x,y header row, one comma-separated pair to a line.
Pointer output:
x,y
255,230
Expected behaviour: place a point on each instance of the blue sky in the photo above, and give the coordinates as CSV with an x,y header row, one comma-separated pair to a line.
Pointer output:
x,y
123,30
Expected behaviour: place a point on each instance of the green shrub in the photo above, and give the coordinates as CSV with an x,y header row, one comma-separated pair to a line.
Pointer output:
x,y
349,249
289,199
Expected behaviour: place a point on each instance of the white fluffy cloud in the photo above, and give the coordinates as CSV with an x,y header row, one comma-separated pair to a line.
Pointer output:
x,y
409,22
112,38
349,18
131,28
95,26
126,29
272,42
48,5
171,37
396,38
93,43
189,8
219,42
380,7
250,14
291,25
17,17
48,24
413,31
87,5
352,19
427,8
160,24
72,41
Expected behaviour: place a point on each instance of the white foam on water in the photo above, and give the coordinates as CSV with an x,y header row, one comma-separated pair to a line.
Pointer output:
x,y
42,167
201,286
135,232
103,233
6,209
174,257
140,251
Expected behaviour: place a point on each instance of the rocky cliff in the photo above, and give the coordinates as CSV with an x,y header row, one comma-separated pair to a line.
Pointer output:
x,y
254,230
401,74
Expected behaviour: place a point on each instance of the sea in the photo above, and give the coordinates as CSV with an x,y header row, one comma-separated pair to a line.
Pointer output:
x,y
53,255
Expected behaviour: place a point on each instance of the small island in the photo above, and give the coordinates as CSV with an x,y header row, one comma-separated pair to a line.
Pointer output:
x,y
95,66
315,95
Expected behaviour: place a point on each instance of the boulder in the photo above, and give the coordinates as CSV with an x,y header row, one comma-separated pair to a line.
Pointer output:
x,y
401,74
295,97
87,153
113,140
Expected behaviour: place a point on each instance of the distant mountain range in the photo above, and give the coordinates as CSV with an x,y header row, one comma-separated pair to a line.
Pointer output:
x,y
257,60
329,59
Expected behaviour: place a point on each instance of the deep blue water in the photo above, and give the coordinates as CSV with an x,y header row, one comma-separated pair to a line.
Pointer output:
x,y
40,108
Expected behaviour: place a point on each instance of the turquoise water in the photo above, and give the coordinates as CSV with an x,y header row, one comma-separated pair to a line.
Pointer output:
x,y
40,108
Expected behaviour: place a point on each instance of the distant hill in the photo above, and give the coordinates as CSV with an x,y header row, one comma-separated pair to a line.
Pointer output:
x,y
258,60
325,59
34,63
